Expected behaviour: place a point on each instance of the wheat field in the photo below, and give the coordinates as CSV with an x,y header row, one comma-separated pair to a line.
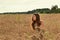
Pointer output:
x,y
18,27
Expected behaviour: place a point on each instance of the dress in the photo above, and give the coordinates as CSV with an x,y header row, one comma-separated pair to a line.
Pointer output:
x,y
38,33
37,28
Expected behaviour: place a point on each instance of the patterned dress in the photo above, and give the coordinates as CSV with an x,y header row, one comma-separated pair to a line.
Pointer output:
x,y
38,33
37,28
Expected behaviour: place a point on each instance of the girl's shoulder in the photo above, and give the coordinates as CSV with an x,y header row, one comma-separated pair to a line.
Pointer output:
x,y
41,21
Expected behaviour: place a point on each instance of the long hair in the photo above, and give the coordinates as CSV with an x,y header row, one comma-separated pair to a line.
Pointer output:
x,y
37,21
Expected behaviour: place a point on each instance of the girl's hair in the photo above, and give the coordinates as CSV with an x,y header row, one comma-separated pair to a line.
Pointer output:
x,y
37,21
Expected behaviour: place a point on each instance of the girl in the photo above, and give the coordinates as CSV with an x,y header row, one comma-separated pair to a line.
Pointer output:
x,y
36,25
36,22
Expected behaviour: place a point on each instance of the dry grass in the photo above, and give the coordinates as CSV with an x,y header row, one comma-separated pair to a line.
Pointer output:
x,y
18,27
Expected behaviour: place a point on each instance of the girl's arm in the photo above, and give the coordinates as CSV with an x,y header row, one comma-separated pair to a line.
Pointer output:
x,y
42,25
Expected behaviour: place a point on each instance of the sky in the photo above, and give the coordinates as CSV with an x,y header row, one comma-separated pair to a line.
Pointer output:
x,y
25,5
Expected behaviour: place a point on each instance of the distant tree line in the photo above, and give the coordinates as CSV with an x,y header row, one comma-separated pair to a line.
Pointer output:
x,y
54,9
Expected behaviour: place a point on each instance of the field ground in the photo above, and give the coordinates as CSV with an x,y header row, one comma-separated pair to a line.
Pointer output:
x,y
18,27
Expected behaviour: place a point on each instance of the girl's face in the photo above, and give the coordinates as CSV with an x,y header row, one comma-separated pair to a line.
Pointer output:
x,y
34,17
